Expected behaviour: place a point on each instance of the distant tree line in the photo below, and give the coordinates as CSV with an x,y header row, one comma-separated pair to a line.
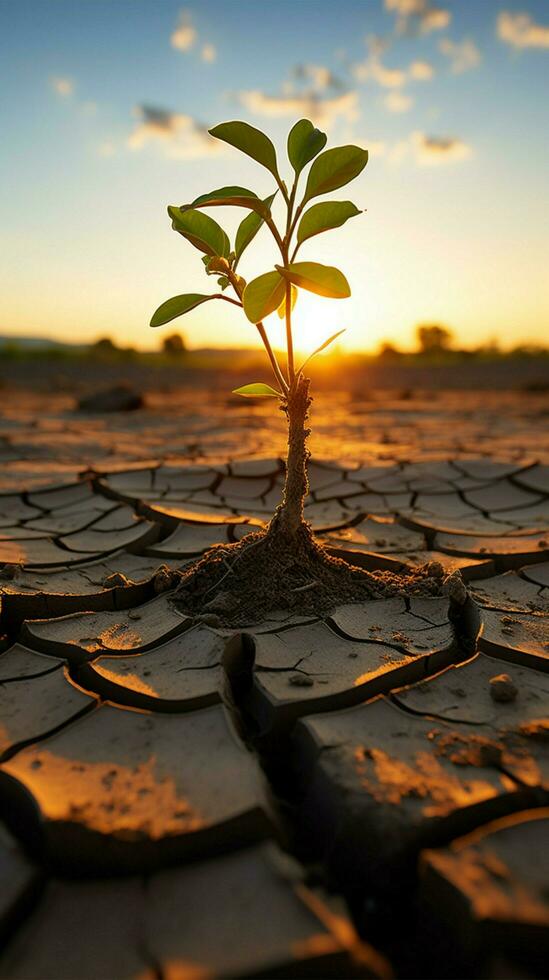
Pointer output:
x,y
172,345
435,341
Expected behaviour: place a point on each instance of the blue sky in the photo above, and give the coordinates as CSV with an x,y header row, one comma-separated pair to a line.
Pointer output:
x,y
450,97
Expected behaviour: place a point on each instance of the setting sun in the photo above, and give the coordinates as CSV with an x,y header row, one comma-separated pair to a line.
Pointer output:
x,y
314,320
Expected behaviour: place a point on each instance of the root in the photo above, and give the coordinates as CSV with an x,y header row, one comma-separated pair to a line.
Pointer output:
x,y
240,584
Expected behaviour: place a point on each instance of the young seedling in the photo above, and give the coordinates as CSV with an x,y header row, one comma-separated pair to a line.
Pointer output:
x,y
283,566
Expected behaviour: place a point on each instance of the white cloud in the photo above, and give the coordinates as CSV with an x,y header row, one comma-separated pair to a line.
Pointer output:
x,y
208,53
434,19
429,151
184,34
324,110
421,71
386,77
318,77
398,102
313,91
463,55
418,15
63,86
373,67
521,31
180,136
434,150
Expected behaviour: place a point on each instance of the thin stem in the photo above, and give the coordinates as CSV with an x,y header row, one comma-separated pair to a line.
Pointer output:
x,y
227,299
288,303
291,203
272,357
282,186
234,283
262,333
297,216
275,233
289,338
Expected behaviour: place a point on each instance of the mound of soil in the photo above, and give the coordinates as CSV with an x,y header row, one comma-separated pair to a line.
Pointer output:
x,y
120,398
239,584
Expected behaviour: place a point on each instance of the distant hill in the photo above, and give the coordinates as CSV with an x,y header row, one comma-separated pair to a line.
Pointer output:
x,y
38,343
33,344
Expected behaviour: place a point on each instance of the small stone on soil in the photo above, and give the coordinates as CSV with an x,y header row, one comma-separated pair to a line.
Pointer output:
x,y
301,680
502,688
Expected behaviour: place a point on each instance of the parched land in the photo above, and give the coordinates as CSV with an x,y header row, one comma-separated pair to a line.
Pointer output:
x,y
363,793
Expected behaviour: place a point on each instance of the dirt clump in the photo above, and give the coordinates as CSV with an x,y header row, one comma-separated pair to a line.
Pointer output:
x,y
502,688
242,583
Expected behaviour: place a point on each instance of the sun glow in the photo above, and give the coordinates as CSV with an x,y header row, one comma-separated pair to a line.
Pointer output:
x,y
314,319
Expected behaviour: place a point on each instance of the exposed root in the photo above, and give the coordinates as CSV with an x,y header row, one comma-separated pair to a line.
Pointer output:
x,y
240,584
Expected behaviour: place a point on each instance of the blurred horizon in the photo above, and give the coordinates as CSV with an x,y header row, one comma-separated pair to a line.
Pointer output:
x,y
105,121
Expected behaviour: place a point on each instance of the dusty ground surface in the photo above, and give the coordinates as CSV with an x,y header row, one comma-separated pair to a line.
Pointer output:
x,y
42,438
351,794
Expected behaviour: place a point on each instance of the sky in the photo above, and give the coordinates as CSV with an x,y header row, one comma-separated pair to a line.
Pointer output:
x,y
104,118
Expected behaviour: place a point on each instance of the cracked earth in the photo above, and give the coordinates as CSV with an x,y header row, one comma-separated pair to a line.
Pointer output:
x,y
347,795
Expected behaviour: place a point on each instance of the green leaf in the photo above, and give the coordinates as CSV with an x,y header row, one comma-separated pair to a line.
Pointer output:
x,y
257,390
176,306
282,308
325,280
249,227
322,347
304,142
334,168
263,295
200,230
223,281
239,197
249,140
322,217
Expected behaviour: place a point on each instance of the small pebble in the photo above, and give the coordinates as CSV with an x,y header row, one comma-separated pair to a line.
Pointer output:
x,y
165,579
209,619
502,688
301,680
435,569
455,588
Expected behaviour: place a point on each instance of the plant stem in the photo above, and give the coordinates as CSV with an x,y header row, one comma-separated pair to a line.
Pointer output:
x,y
289,338
272,357
283,188
289,516
288,302
262,333
297,216
227,299
291,203
275,233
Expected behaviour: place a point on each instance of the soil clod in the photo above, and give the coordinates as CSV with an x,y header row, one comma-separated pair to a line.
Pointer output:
x,y
242,583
